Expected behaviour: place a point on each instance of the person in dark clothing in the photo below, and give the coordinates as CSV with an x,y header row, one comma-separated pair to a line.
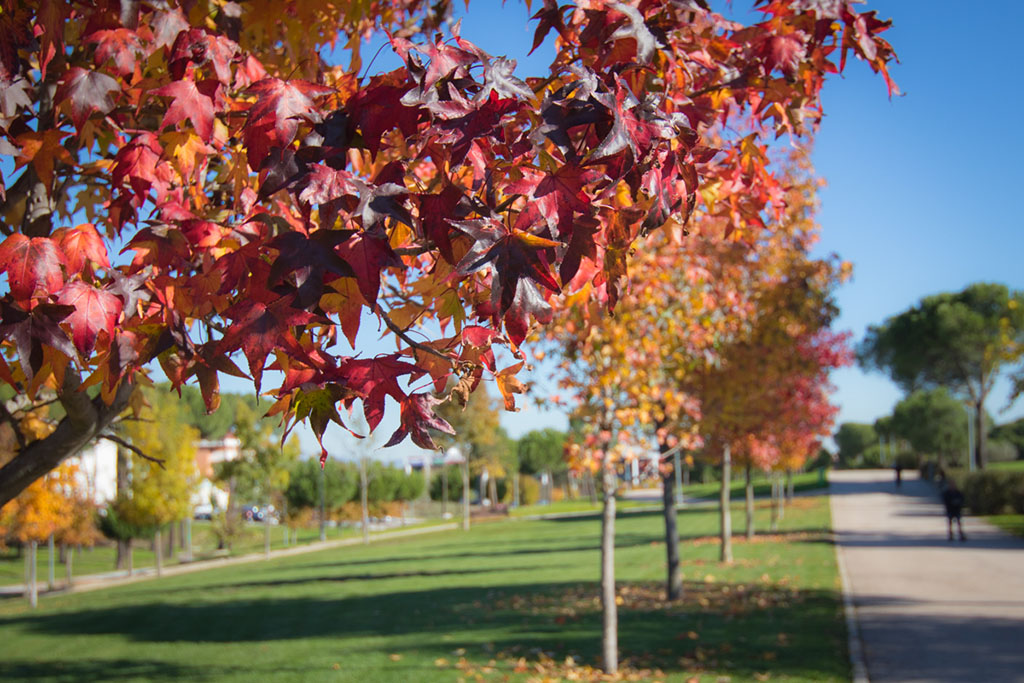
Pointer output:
x,y
899,474
953,499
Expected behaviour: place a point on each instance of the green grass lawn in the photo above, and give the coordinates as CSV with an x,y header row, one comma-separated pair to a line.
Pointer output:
x,y
1013,465
802,482
102,558
1012,523
510,600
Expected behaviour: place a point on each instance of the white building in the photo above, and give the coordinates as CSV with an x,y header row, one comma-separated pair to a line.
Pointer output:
x,y
97,471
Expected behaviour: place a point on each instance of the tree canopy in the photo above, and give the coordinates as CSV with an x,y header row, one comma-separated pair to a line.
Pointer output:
x,y
853,438
197,184
958,340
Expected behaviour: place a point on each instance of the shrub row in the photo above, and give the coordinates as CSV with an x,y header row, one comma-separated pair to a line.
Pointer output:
x,y
990,492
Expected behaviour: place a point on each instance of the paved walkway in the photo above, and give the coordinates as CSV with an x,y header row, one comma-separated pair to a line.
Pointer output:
x,y
927,609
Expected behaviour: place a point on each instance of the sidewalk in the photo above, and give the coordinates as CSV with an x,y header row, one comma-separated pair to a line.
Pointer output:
x,y
927,609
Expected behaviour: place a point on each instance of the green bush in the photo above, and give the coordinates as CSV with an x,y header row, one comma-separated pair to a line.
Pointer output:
x,y
990,492
454,485
908,460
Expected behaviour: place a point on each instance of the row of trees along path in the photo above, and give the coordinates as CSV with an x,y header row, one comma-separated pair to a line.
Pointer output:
x,y
268,201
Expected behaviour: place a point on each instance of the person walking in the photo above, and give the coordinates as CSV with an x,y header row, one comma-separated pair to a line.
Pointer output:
x,y
953,499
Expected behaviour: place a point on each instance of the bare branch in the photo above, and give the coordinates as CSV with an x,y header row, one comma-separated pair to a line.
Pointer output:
x,y
408,340
134,449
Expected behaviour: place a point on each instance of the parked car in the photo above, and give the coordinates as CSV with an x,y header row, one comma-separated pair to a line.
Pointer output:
x,y
202,512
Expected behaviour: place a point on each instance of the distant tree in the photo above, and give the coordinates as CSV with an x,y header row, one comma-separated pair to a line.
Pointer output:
x,y
962,341
542,450
303,491
480,437
933,422
216,424
164,478
853,438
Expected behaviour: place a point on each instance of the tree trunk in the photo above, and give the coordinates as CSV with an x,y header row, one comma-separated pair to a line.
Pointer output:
x,y
774,504
159,547
790,487
266,532
724,507
609,609
51,575
171,536
187,538
364,500
444,490
68,574
750,501
979,429
131,559
323,509
465,494
781,500
33,589
123,553
674,581
492,484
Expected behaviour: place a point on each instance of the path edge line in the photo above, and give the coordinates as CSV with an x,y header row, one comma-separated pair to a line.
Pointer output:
x,y
855,644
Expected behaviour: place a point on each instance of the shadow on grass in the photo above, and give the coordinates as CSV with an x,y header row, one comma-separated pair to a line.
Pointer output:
x,y
729,629
103,670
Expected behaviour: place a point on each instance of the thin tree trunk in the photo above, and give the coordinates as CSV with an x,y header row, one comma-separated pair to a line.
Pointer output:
x,y
444,491
68,574
51,577
131,558
171,537
159,547
790,486
979,430
781,501
674,580
364,500
724,507
188,538
33,589
609,609
266,532
465,493
750,501
774,504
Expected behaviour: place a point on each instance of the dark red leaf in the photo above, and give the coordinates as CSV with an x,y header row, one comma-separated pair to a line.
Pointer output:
x,y
274,118
368,255
377,378
417,419
121,45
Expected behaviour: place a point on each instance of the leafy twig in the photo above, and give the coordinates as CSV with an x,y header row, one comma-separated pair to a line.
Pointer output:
x,y
134,449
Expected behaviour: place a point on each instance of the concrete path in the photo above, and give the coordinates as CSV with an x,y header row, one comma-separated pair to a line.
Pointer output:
x,y
927,609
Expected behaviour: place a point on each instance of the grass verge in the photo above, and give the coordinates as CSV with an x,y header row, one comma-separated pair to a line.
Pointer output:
x,y
508,601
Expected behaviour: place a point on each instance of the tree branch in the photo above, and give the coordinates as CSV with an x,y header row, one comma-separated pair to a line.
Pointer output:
x,y
408,340
84,421
133,448
6,416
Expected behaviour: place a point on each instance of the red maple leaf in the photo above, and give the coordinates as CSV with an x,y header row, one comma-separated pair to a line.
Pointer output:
x,y
88,92
368,255
556,197
259,328
81,244
378,108
188,103
139,162
274,118
33,266
417,419
435,210
377,378
122,45
95,310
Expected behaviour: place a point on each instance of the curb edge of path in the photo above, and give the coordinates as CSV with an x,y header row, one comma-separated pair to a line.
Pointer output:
x,y
855,644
